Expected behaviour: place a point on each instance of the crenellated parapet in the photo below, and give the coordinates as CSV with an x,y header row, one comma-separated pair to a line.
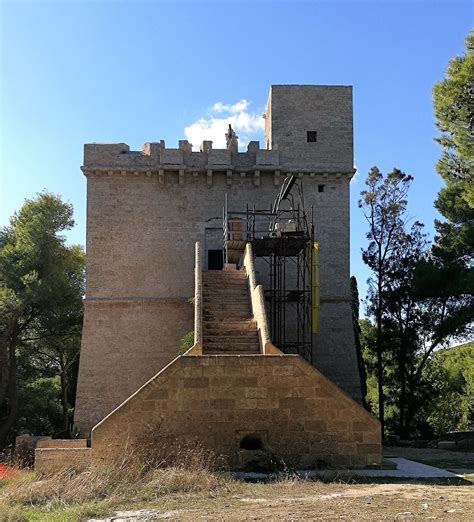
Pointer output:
x,y
157,155
156,159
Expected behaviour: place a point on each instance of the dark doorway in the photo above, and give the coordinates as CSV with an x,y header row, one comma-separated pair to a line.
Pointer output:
x,y
251,442
215,260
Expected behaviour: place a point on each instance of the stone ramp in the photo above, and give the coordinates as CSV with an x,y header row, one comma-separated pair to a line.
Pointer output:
x,y
218,401
228,325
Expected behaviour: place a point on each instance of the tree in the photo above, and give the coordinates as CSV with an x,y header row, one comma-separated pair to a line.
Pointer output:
x,y
403,315
384,206
420,314
449,389
41,287
355,305
453,99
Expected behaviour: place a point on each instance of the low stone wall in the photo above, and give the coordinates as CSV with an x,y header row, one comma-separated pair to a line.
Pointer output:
x,y
62,443
257,300
218,400
54,460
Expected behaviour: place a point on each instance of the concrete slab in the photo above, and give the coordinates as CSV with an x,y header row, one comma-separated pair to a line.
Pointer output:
x,y
405,468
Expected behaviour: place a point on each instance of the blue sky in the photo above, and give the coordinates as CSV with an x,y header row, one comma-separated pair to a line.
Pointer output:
x,y
74,72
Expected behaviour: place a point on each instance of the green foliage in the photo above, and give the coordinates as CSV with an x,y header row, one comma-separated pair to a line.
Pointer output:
x,y
355,305
41,290
448,385
383,202
453,99
39,411
417,303
443,399
186,342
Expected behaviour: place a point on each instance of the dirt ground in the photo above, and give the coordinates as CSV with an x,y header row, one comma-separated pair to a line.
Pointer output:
x,y
302,500
305,500
185,495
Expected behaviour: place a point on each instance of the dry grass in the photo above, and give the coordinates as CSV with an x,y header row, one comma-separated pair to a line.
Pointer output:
x,y
147,471
95,492
182,494
183,483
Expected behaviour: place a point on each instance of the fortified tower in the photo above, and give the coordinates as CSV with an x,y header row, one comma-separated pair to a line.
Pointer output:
x,y
146,209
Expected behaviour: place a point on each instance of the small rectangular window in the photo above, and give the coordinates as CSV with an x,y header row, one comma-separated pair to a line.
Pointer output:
x,y
311,136
320,188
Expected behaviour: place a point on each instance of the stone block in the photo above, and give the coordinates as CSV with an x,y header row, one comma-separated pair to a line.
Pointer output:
x,y
218,157
171,157
196,382
268,157
365,449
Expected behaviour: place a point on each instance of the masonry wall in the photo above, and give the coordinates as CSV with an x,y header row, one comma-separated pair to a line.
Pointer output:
x,y
123,345
146,209
140,241
217,400
325,109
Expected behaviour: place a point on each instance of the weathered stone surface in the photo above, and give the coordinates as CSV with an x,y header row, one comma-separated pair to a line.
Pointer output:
x,y
220,414
145,212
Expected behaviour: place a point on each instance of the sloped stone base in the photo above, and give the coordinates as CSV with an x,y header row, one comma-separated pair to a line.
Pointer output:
x,y
219,400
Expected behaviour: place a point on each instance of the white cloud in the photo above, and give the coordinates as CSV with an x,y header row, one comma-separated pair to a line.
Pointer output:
x,y
241,105
247,125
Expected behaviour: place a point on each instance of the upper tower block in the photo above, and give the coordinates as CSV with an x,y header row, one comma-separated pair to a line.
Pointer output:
x,y
311,126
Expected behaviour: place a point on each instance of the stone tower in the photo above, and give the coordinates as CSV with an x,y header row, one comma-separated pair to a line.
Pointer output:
x,y
146,209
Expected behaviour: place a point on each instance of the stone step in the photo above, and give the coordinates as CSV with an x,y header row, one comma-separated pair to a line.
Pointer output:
x,y
226,284
233,338
228,308
219,278
235,288
226,296
232,329
238,330
224,279
229,305
224,273
232,349
231,334
242,345
231,352
229,322
223,314
226,299
225,292
250,335
225,305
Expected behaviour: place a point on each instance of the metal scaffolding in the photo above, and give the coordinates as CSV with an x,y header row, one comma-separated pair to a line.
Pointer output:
x,y
283,237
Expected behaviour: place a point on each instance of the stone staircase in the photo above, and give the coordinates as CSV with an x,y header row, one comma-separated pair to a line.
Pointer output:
x,y
228,326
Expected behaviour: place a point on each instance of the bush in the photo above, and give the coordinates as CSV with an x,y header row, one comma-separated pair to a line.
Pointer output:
x,y
186,342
